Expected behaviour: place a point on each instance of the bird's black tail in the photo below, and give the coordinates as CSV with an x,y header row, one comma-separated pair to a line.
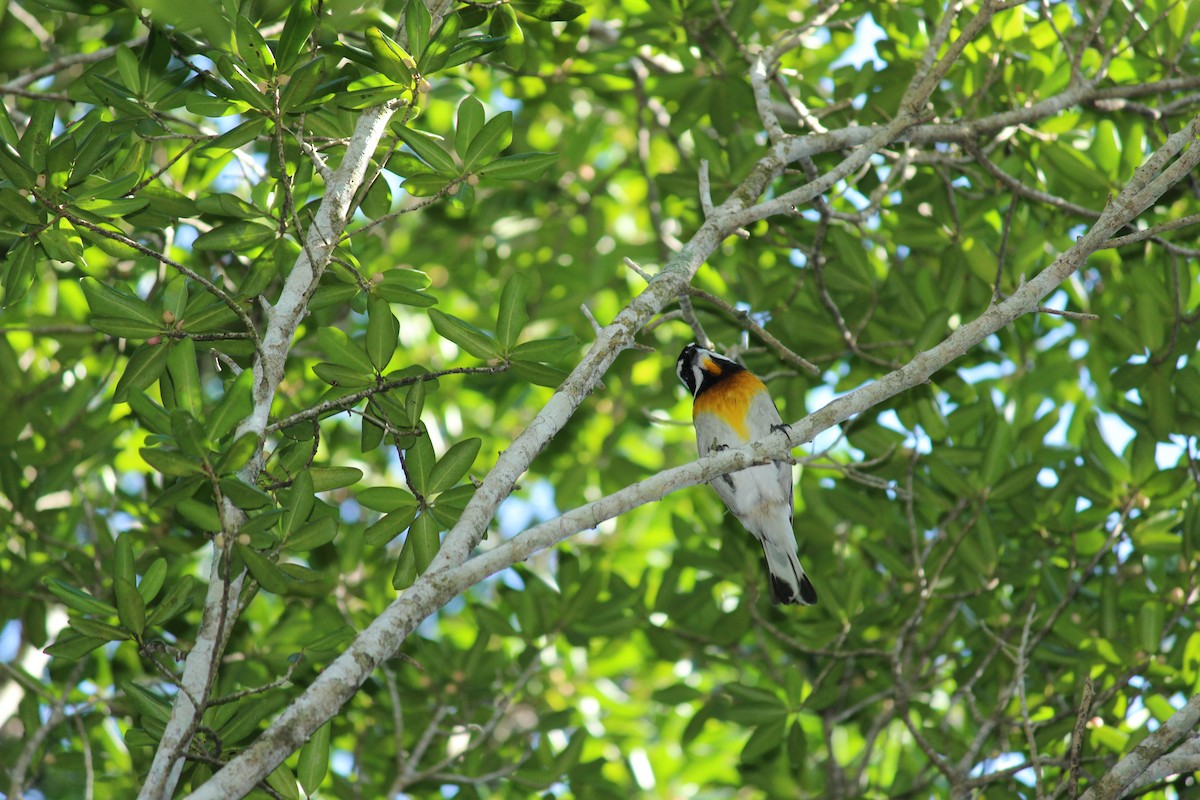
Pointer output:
x,y
789,584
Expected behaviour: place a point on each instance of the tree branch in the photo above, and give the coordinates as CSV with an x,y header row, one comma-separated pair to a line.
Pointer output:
x,y
451,572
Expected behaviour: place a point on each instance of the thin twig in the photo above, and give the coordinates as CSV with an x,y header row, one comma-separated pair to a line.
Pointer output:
x,y
1081,720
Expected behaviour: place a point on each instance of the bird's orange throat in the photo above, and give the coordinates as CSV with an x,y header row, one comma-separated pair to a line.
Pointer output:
x,y
729,399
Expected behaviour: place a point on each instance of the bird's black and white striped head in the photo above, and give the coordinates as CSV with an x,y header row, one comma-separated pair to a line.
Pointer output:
x,y
698,368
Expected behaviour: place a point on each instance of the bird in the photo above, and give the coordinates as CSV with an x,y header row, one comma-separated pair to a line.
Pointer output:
x,y
730,407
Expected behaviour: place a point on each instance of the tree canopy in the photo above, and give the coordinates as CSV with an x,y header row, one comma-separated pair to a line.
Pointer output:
x,y
344,455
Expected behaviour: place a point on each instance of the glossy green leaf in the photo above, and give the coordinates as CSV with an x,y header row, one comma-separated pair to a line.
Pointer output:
x,y
152,580
70,647
493,137
239,237
512,315
419,463
170,462
390,526
264,570
386,498
519,167
315,534
131,608
552,350
299,503
98,630
464,334
110,301
430,149
293,41
78,599
185,376
313,765
417,24
234,406
451,467
469,121
341,350
390,58
326,479
539,374
382,331
177,599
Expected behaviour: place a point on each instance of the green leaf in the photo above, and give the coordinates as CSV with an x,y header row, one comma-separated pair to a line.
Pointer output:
x,y
283,782
237,454
391,60
512,314
120,207
551,350
252,47
539,374
451,467
125,328
520,167
399,294
78,599
424,541
378,200
249,714
301,21
243,495
468,124
22,264
131,609
436,53
505,23
223,204
390,526
123,559
419,463
304,86
233,407
383,330
110,301
70,646
22,208
127,68
177,599
170,462
326,479
472,47
495,135
417,24
188,435
314,754
430,150
185,376
340,349
264,570
13,167
765,739
98,630
464,334
299,502
153,416
425,184
241,237
315,534
386,498
337,375
152,580
201,514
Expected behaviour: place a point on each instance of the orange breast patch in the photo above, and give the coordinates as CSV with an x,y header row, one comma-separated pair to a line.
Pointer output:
x,y
730,400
